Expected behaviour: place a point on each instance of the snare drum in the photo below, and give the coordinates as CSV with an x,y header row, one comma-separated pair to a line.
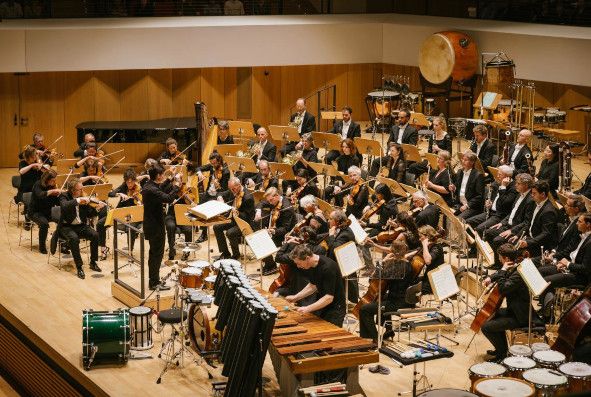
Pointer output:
x,y
209,282
105,336
191,277
516,365
578,374
539,346
549,358
201,265
484,370
547,382
141,328
446,393
500,387
202,332
520,351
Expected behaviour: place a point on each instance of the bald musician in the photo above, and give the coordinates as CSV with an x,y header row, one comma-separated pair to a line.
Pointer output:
x,y
303,120
518,152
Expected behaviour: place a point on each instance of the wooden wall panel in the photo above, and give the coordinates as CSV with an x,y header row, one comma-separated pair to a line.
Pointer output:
x,y
79,105
361,79
300,81
9,120
159,83
212,91
107,101
232,85
133,91
266,89
186,89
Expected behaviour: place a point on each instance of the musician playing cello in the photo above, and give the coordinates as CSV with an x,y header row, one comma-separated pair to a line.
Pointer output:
x,y
516,314
398,276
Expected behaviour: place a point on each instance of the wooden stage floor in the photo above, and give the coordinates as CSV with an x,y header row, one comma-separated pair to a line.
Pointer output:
x,y
49,302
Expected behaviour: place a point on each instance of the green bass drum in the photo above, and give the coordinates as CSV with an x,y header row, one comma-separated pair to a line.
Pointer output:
x,y
106,336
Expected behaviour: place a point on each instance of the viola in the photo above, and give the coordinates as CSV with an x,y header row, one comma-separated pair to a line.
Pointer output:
x,y
389,235
274,216
372,210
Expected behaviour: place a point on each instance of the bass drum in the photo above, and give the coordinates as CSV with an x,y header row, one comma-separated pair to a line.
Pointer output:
x,y
204,337
106,336
448,54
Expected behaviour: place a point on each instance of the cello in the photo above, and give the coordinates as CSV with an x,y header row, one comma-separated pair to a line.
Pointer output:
x,y
572,324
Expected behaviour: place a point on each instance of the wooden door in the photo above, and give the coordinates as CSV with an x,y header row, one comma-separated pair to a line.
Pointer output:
x,y
9,120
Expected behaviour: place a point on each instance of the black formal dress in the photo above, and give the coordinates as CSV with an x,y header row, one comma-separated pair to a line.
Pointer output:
x,y
437,259
442,178
354,130
549,173
358,200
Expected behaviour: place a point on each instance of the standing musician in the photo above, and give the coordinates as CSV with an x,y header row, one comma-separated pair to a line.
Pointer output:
x,y
172,155
501,196
393,164
278,218
304,121
346,128
398,276
384,205
340,233
403,132
154,198
73,224
469,188
30,170
549,168
318,221
263,180
81,151
516,314
224,137
585,190
432,254
44,154
243,207
304,187
438,141
440,179
424,212
354,194
45,196
517,152
325,280
485,150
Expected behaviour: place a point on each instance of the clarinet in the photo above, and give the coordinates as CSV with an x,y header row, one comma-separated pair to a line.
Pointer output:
x,y
488,197
430,147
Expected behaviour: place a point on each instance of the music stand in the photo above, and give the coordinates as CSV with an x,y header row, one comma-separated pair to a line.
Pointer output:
x,y
326,140
418,120
262,245
411,153
241,165
125,214
241,129
493,171
100,191
432,159
65,165
436,199
284,133
325,207
245,229
207,223
62,178
370,147
325,170
409,189
231,149
347,257
488,101
282,171
393,185
331,115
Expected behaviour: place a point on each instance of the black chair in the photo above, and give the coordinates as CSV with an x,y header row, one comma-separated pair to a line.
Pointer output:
x,y
27,197
16,183
56,212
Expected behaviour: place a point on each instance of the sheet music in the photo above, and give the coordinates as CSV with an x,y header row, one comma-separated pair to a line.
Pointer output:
x,y
532,277
348,258
488,98
443,282
261,244
360,234
210,209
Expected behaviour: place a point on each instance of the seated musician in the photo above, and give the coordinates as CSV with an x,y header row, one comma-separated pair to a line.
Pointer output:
x,y
243,206
516,314
45,155
81,151
263,179
404,132
398,275
276,214
384,205
432,254
30,170
297,280
585,190
570,266
346,128
263,148
93,173
219,174
485,150
73,224
424,212
500,201
440,179
349,157
129,193
355,194
340,233
91,154
319,222
393,165
172,155
325,280
438,142
303,120
549,168
45,196
403,229
518,151
468,188
304,187
224,137
309,154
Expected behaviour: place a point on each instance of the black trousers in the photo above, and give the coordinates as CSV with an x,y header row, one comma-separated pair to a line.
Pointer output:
x,y
42,221
558,280
171,226
234,235
368,320
155,256
494,329
480,223
73,233
468,213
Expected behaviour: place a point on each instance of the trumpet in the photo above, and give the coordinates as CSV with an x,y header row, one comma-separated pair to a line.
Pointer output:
x,y
292,158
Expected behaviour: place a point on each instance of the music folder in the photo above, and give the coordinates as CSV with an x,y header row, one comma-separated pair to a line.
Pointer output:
x,y
532,277
443,282
358,231
348,258
261,244
210,209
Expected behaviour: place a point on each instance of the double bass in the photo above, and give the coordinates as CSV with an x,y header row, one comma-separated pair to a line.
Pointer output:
x,y
572,324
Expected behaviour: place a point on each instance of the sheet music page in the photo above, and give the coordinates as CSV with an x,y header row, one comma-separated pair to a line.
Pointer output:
x,y
360,234
261,244
210,209
348,258
532,277
488,98
443,282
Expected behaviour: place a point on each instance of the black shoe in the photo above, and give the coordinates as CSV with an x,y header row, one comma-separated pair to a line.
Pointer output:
x,y
171,254
80,274
65,250
161,287
43,250
95,267
389,334
27,225
104,253
269,271
491,352
202,238
53,243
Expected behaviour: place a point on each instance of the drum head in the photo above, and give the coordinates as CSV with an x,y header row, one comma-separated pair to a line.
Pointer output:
x,y
191,271
539,346
500,387
549,356
518,362
520,350
387,94
576,369
436,58
198,264
488,369
140,310
447,393
544,376
210,279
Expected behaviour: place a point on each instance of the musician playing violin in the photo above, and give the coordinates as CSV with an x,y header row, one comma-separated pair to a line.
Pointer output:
x,y
432,253
318,221
44,155
30,170
91,175
384,206
304,187
516,314
172,155
82,149
309,154
424,212
398,276
263,179
45,196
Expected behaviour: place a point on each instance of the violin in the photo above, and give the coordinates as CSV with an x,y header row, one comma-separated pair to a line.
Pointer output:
x,y
372,210
354,192
388,235
274,215
136,194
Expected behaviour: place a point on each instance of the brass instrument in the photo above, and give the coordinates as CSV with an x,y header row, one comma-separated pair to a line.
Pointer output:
x,y
298,119
292,158
519,240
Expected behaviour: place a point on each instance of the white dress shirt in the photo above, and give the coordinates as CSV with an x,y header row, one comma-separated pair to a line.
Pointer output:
x,y
479,146
345,129
465,178
301,122
533,217
515,153
77,220
401,129
521,197
573,255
